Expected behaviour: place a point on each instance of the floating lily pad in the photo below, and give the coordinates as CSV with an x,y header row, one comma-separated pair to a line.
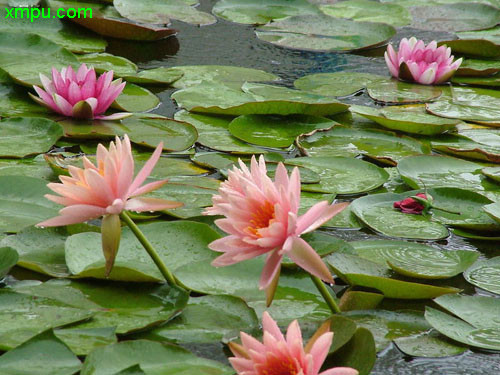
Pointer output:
x,y
207,319
406,119
261,11
442,171
307,176
378,213
43,354
24,56
397,92
24,136
477,323
454,17
338,83
222,161
84,251
359,300
52,28
485,274
128,307
342,175
157,76
324,33
361,272
106,21
163,11
104,62
478,68
416,260
345,220
136,99
364,10
474,47
153,357
275,131
220,99
428,344
385,147
231,76
14,100
8,259
82,341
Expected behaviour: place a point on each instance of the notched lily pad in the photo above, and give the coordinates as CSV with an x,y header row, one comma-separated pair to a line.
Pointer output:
x,y
485,274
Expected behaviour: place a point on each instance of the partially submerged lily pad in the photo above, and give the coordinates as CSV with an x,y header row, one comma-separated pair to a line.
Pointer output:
x,y
397,92
485,274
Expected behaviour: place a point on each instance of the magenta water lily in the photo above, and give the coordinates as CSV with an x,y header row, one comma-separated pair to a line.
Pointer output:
x,y
424,64
80,94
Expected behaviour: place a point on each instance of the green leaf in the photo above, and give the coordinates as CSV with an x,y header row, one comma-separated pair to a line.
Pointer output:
x,y
136,99
104,62
324,33
207,319
153,358
84,254
478,68
43,354
163,11
416,260
474,46
217,98
82,341
275,131
8,259
364,10
342,175
485,274
428,344
261,11
157,76
128,307
397,92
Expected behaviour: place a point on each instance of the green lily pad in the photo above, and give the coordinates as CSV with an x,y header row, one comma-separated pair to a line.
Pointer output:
x,y
217,98
478,68
22,203
231,76
345,220
324,33
442,171
493,81
385,147
163,11
136,99
397,92
74,39
206,319
428,344
104,62
156,76
43,313
261,11
24,136
359,300
107,21
128,307
36,167
416,260
307,176
153,357
43,354
454,17
492,172
342,175
364,10
412,120
338,83
213,133
377,212
8,259
24,56
84,251
474,46
477,323
389,325
358,271
223,161
82,341
275,131
485,274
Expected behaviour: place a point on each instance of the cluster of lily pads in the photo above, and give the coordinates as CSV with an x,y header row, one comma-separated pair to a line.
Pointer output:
x,y
411,139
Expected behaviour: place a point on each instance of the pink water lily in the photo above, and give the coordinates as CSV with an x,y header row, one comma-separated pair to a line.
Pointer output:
x,y
261,217
106,189
278,355
80,95
416,62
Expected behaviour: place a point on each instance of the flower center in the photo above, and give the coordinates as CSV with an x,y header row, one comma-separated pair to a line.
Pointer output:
x,y
279,366
262,217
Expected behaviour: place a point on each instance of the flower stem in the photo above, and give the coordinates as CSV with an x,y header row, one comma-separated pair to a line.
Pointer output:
x,y
330,301
149,248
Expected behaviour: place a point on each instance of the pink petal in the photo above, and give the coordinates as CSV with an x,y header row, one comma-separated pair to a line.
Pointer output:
x,y
340,371
64,107
320,349
317,215
146,170
270,326
305,257
78,213
150,204
114,116
272,266
150,187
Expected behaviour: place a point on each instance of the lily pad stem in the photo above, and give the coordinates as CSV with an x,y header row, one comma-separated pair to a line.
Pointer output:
x,y
330,301
149,248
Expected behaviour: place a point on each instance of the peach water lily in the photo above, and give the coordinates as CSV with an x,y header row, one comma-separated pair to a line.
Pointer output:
x,y
416,62
106,190
280,355
80,94
261,217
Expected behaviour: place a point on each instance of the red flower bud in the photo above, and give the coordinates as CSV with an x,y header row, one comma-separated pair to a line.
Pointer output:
x,y
410,205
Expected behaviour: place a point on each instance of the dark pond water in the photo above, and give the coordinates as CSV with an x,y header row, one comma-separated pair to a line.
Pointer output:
x,y
227,43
